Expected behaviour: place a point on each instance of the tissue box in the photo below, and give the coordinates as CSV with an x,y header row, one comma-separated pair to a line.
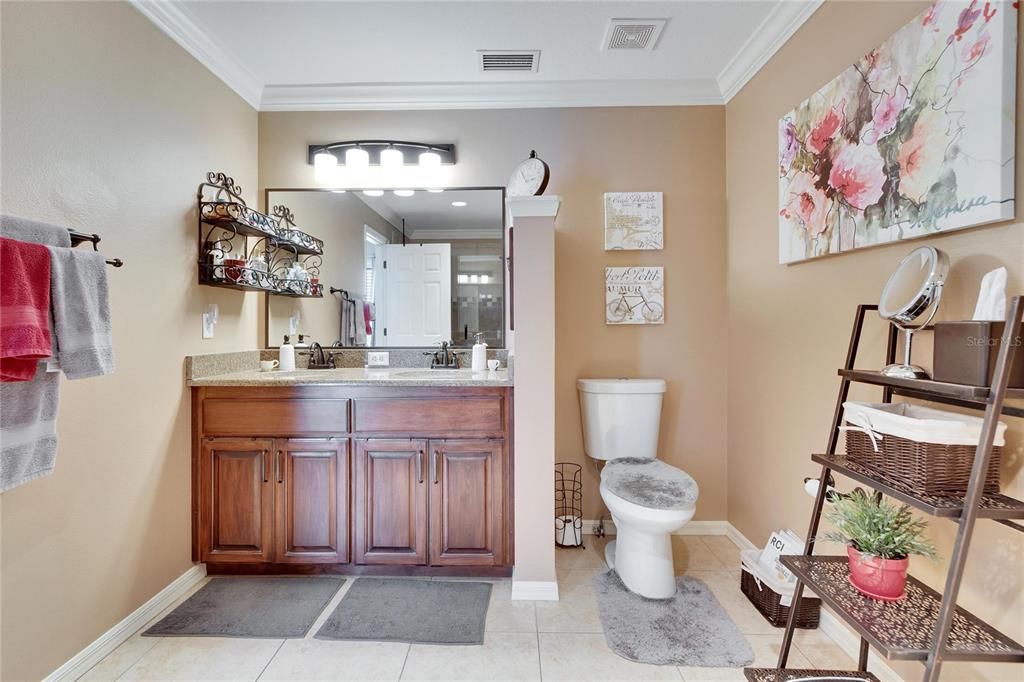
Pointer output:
x,y
966,352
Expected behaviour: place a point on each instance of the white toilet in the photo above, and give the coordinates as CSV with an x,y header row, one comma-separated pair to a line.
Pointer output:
x,y
647,498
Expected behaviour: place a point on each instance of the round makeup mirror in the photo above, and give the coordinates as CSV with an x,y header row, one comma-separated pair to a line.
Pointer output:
x,y
915,288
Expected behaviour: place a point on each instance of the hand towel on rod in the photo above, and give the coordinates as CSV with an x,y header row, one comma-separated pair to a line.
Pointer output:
x,y
23,229
28,420
81,313
358,322
24,309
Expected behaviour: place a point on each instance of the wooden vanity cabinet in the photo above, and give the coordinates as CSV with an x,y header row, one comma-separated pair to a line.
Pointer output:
x,y
352,479
312,501
236,500
282,500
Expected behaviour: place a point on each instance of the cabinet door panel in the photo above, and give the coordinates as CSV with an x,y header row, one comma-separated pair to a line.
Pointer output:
x,y
312,501
236,500
467,503
390,502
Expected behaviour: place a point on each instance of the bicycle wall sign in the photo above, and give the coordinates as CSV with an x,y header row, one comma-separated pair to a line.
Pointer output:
x,y
635,295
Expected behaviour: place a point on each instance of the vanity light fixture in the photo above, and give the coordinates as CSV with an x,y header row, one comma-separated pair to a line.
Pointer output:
x,y
458,204
463,279
373,192
404,192
354,164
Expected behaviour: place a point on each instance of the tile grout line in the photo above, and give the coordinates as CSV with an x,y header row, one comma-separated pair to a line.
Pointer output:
x,y
536,627
405,660
270,660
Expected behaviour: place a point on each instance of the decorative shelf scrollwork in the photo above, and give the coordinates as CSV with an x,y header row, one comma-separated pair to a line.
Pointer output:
x,y
222,208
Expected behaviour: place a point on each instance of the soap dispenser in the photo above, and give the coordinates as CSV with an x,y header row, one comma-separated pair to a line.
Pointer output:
x,y
286,355
479,354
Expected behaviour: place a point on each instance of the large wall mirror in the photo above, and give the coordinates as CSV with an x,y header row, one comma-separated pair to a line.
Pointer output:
x,y
400,269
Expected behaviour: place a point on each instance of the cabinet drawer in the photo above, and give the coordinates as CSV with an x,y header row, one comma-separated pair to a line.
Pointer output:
x,y
429,416
254,417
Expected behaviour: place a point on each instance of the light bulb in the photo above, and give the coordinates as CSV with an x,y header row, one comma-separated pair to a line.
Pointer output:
x,y
338,191
324,159
373,192
435,191
484,279
357,157
430,159
391,158
458,204
324,164
463,279
404,192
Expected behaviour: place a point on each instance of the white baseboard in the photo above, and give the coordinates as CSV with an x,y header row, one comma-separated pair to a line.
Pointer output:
x,y
691,528
534,590
831,625
84,660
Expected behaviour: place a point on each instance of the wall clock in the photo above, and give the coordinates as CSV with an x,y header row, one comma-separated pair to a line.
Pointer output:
x,y
529,178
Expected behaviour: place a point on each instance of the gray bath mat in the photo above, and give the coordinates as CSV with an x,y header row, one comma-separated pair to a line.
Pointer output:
x,y
250,607
689,629
417,611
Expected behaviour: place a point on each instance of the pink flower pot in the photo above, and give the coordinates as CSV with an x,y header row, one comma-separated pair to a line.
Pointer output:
x,y
878,578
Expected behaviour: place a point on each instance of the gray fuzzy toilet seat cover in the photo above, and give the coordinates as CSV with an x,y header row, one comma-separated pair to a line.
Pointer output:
x,y
650,483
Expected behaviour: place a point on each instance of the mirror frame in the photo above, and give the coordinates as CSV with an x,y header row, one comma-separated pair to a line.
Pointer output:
x,y
506,255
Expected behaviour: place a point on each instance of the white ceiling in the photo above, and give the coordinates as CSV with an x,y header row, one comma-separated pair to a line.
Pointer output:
x,y
297,54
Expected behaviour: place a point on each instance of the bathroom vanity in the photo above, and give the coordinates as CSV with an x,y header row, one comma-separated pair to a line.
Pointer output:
x,y
353,471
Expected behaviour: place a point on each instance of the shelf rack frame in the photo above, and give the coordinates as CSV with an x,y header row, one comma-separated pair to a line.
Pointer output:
x,y
975,504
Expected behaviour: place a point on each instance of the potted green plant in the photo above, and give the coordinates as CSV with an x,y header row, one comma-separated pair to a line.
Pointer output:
x,y
879,538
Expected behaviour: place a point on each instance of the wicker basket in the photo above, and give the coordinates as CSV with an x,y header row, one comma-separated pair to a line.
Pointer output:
x,y
929,468
767,601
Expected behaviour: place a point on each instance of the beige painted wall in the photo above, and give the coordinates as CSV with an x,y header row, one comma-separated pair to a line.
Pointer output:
x,y
108,126
678,150
789,326
338,219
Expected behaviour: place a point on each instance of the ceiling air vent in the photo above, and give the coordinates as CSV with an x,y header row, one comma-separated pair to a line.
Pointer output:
x,y
509,60
633,34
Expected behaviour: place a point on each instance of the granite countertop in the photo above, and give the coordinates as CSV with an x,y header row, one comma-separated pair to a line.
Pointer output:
x,y
385,376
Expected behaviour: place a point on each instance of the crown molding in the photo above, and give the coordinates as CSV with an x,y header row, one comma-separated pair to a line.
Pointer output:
x,y
486,95
777,28
181,29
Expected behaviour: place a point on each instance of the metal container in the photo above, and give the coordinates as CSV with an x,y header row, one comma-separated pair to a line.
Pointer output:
x,y
966,352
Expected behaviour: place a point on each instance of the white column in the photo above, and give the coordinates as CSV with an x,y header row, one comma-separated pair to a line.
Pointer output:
x,y
533,264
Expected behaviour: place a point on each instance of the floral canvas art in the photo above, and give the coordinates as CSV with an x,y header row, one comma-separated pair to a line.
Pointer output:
x,y
915,138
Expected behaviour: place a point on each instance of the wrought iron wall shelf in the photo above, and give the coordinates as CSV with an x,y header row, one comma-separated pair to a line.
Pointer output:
x,y
802,674
222,208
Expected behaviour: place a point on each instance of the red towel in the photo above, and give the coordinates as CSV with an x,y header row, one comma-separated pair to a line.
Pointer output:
x,y
24,309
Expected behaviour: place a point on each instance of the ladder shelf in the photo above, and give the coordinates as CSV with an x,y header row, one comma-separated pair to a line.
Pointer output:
x,y
927,625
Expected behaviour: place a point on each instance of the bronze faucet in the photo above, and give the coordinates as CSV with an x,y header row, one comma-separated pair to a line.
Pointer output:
x,y
444,358
318,359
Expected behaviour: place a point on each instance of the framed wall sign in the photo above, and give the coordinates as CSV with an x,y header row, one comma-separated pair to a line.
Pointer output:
x,y
633,221
634,295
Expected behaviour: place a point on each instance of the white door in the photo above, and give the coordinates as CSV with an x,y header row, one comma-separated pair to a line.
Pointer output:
x,y
414,304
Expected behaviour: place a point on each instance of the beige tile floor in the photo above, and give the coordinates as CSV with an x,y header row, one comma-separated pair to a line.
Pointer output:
x,y
523,640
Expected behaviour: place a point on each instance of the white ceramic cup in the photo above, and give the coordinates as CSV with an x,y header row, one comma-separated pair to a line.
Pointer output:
x,y
268,365
493,365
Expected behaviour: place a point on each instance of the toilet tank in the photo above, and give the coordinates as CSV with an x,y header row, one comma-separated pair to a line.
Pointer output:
x,y
621,417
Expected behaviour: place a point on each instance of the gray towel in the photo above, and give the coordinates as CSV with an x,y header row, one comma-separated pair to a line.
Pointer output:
x,y
25,230
28,433
81,313
28,409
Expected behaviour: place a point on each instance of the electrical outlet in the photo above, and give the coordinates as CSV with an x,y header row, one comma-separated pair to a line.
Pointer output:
x,y
377,359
